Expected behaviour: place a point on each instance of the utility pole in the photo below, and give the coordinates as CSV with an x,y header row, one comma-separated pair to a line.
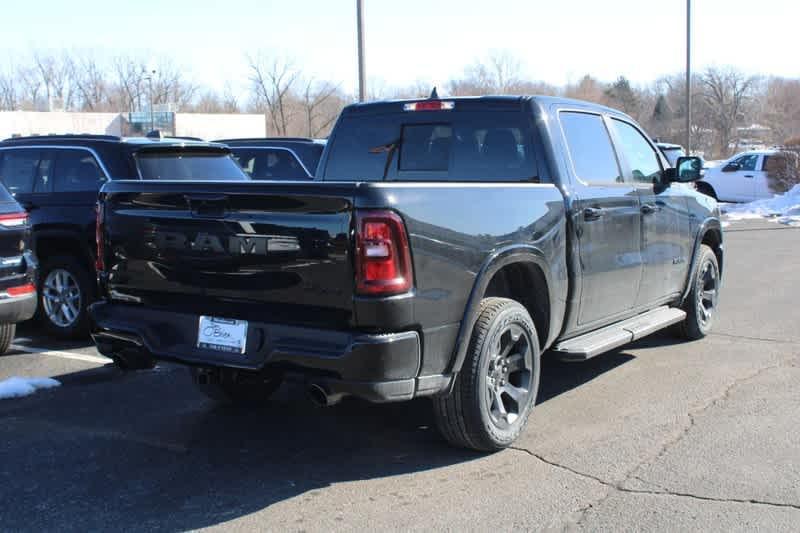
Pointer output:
x,y
688,76
149,79
362,75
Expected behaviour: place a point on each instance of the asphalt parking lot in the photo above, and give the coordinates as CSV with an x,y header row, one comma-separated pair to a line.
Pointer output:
x,y
660,435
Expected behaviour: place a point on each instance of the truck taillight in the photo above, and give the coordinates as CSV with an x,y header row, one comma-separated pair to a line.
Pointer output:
x,y
13,220
99,227
429,105
383,258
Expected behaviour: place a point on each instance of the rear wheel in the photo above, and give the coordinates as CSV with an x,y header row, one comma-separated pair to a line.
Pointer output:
x,y
496,388
6,336
701,302
65,290
235,387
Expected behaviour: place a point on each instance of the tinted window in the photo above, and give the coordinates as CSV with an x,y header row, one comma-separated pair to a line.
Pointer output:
x,y
44,174
640,156
76,171
162,165
18,169
590,148
426,147
269,164
448,146
747,162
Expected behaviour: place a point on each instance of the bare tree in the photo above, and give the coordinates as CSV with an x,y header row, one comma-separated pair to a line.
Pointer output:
x,y
781,109
170,86
498,73
54,74
589,89
230,102
725,93
318,114
9,97
272,80
130,83
90,82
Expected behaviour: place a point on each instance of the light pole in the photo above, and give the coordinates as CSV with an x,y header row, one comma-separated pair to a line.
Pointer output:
x,y
688,76
362,75
149,79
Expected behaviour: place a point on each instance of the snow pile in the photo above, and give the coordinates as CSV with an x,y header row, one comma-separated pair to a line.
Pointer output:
x,y
17,387
784,209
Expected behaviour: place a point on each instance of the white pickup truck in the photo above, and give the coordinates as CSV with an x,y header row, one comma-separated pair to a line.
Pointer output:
x,y
742,178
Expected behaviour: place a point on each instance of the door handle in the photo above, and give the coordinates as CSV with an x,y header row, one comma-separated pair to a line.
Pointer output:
x,y
650,208
593,213
748,175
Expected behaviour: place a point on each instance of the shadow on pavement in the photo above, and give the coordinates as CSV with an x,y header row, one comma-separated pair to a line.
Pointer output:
x,y
144,450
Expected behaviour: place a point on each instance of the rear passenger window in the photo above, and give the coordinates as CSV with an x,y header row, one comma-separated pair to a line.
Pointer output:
x,y
590,148
77,171
18,169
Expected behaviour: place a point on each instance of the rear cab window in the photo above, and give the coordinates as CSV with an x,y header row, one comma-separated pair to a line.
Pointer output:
x,y
446,145
194,164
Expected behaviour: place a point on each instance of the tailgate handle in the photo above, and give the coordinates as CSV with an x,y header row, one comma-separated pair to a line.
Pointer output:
x,y
209,205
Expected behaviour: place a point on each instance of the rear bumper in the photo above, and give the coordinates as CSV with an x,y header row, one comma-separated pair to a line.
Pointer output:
x,y
378,368
17,309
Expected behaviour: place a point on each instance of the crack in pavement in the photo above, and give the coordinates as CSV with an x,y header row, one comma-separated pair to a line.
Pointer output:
x,y
746,338
619,486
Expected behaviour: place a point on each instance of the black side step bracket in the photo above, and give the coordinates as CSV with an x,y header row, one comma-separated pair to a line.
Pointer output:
x,y
602,340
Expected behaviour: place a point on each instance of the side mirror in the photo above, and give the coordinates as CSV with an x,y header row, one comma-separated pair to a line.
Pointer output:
x,y
685,170
731,167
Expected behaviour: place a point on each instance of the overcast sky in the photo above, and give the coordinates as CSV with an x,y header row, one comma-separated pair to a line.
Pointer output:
x,y
407,40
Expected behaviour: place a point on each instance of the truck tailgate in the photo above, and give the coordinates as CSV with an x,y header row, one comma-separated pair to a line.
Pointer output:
x,y
251,250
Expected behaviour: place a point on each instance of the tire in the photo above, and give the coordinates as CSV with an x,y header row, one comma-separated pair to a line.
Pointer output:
x,y
7,331
703,297
705,188
235,388
77,295
495,364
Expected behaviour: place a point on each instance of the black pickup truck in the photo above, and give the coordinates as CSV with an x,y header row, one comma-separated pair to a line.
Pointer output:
x,y
443,246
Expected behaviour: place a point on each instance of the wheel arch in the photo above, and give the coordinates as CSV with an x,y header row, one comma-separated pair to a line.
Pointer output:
x,y
710,234
507,273
54,243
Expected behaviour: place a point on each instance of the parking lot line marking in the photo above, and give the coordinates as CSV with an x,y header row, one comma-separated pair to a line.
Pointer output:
x,y
64,355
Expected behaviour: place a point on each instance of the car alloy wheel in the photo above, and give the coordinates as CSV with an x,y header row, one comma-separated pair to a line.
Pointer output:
x,y
61,297
707,292
508,377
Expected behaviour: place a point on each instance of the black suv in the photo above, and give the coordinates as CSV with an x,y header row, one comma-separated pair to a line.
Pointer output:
x,y
17,269
57,178
278,158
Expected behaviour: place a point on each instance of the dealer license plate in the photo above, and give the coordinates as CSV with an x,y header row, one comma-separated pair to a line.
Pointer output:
x,y
222,334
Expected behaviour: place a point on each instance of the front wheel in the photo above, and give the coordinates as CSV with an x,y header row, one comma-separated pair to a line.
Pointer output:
x,y
701,302
496,389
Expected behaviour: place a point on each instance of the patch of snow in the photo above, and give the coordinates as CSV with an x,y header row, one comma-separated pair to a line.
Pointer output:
x,y
16,387
784,208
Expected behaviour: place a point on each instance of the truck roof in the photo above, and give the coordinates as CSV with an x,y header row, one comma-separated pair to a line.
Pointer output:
x,y
496,102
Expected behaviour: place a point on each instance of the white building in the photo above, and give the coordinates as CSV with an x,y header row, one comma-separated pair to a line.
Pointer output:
x,y
204,125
